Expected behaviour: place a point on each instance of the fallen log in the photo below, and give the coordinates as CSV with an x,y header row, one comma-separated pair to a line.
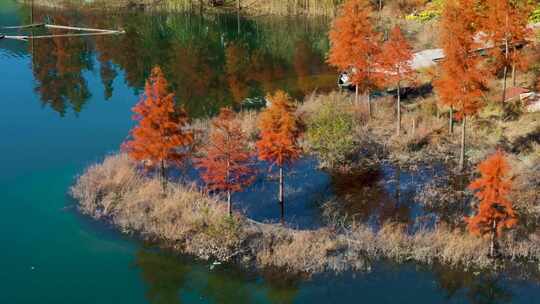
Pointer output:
x,y
26,38
60,27
80,29
24,26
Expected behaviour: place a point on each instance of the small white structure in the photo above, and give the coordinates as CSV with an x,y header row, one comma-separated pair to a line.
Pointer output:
x,y
426,58
531,102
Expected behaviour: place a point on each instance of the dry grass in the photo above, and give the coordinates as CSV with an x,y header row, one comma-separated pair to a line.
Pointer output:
x,y
526,183
116,191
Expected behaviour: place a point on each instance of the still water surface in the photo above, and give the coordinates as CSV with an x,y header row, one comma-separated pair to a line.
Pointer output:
x,y
66,104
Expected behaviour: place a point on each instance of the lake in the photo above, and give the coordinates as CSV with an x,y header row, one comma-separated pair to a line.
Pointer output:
x,y
66,103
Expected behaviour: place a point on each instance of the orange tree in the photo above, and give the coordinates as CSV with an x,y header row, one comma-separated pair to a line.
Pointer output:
x,y
396,59
495,211
226,166
505,23
355,46
462,79
161,137
279,133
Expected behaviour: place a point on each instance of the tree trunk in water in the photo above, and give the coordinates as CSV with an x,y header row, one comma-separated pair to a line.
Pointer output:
x,y
451,121
398,111
229,205
281,196
163,176
462,152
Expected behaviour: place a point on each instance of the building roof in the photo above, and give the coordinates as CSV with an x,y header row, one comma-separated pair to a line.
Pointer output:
x,y
426,58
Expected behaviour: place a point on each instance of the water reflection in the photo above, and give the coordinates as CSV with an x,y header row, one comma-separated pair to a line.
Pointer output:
x,y
476,287
208,63
163,274
173,279
386,193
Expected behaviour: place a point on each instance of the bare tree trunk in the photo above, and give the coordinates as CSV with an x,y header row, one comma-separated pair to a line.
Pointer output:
x,y
379,15
462,151
356,95
506,54
229,205
493,239
514,76
451,121
369,102
505,75
398,111
163,176
281,195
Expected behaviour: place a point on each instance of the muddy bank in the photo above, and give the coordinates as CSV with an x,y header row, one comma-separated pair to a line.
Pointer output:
x,y
189,221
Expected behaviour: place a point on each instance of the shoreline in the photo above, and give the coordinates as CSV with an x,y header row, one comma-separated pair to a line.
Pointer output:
x,y
133,205
190,221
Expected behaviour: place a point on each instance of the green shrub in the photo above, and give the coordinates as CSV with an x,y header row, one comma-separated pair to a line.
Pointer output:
x,y
330,134
535,15
432,11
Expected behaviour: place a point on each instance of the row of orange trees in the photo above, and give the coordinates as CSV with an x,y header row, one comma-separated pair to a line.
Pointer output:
x,y
163,138
466,27
498,27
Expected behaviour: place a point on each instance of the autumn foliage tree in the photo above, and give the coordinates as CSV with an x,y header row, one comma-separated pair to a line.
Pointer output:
x,y
279,133
506,24
226,165
462,79
494,212
355,47
160,139
396,60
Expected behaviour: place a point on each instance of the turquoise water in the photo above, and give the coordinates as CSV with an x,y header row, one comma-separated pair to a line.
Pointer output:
x,y
55,124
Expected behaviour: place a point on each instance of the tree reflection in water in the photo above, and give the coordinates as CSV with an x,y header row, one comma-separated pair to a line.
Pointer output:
x,y
163,274
477,287
210,65
170,278
366,198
